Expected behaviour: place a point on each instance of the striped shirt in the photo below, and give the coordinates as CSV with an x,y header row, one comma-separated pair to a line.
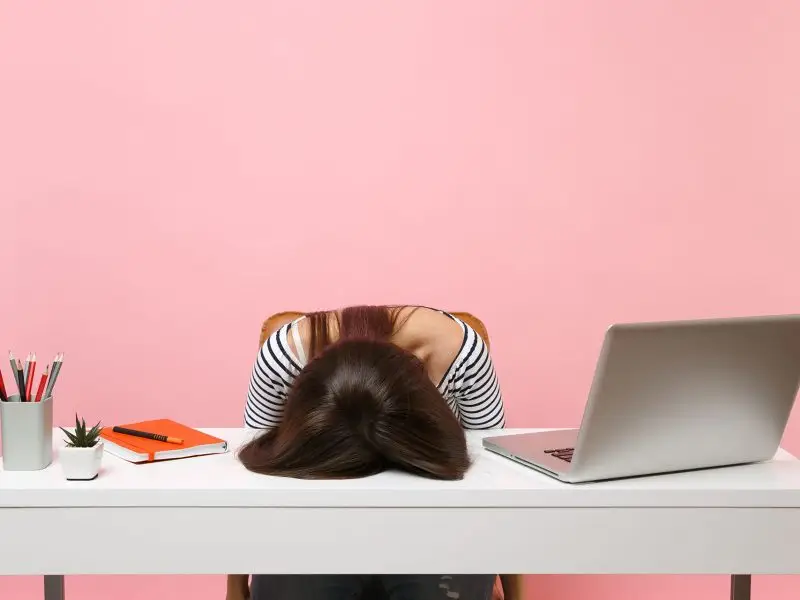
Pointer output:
x,y
470,386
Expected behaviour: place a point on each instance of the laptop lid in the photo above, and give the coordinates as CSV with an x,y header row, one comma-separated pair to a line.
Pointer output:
x,y
681,395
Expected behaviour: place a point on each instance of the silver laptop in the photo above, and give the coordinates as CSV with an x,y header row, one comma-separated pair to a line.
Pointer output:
x,y
675,396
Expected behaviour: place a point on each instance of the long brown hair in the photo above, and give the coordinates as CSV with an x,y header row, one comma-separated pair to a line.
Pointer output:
x,y
361,405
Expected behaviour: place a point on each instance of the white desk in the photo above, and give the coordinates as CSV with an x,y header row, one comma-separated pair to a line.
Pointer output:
x,y
502,518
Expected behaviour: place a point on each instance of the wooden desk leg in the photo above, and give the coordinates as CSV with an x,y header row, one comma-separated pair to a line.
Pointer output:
x,y
740,587
54,587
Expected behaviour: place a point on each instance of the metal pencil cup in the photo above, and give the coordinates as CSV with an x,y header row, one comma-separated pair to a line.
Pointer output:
x,y
27,430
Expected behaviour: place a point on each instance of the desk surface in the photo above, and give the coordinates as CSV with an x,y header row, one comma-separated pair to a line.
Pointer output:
x,y
493,481
502,518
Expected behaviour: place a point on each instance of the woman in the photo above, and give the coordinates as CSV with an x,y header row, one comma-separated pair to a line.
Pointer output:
x,y
351,393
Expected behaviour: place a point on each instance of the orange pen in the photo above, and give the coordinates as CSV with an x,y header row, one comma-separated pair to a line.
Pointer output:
x,y
146,434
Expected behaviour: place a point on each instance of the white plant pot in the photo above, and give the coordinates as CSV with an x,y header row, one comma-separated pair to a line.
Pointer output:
x,y
81,463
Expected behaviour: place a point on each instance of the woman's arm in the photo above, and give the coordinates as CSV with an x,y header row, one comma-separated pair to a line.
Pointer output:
x,y
238,587
273,373
477,390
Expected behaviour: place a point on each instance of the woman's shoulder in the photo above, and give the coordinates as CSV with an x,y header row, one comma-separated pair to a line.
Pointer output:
x,y
434,335
280,345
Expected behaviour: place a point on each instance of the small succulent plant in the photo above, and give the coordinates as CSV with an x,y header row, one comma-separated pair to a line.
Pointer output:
x,y
80,438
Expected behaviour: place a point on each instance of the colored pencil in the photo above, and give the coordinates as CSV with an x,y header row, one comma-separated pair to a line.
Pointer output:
x,y
13,362
14,374
26,368
42,383
3,394
21,381
29,378
54,371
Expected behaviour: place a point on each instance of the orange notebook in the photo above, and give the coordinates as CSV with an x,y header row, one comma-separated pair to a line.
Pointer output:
x,y
139,450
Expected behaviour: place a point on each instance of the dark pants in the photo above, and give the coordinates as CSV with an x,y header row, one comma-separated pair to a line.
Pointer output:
x,y
372,587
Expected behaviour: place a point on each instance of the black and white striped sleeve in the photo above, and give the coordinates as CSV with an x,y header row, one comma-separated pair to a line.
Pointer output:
x,y
476,389
273,373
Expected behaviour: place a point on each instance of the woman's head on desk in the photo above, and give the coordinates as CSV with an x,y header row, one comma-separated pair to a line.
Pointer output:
x,y
360,406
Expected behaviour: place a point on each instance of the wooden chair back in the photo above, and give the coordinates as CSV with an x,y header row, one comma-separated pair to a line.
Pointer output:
x,y
278,320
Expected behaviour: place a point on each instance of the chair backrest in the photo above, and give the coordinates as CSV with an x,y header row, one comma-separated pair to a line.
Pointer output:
x,y
273,323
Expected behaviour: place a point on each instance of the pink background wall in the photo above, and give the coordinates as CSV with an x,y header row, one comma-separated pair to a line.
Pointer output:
x,y
171,173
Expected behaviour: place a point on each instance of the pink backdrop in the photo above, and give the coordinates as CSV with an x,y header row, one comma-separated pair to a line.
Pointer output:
x,y
171,173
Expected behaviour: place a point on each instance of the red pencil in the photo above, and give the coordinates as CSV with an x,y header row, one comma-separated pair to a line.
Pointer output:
x,y
29,380
42,384
3,395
